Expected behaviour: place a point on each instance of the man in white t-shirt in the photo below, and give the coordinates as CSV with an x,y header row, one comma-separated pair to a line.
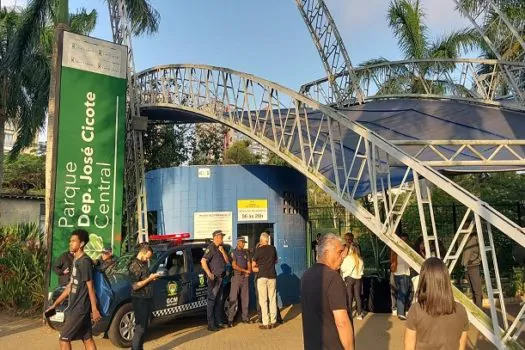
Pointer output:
x,y
401,271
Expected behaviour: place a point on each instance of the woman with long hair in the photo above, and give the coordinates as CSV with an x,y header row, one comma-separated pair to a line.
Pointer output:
x,y
436,321
352,271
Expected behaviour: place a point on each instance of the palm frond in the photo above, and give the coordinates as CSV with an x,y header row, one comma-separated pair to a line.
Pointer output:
x,y
144,18
34,19
406,18
30,100
83,22
455,44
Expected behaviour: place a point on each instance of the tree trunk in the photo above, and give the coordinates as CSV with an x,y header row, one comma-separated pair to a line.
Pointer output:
x,y
52,129
3,118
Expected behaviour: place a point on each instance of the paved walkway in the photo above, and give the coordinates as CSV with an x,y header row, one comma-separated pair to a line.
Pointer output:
x,y
375,332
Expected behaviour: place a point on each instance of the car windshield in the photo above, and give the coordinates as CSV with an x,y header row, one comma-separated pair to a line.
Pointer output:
x,y
123,262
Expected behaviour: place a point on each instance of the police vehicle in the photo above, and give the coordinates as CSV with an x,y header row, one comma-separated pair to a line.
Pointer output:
x,y
180,291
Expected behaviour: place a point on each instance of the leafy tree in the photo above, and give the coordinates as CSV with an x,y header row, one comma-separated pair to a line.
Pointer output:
x,y
166,145
25,173
240,153
274,159
208,144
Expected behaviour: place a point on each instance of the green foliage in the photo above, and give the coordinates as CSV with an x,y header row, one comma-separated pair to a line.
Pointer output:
x,y
240,153
208,144
26,172
274,159
22,269
166,145
406,18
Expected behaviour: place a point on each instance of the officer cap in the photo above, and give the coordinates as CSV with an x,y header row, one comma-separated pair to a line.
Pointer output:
x,y
217,233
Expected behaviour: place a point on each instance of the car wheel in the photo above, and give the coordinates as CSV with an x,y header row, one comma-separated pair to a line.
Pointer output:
x,y
122,327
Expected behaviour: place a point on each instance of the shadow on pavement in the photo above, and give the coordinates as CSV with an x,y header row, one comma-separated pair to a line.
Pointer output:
x,y
292,312
182,330
10,328
372,332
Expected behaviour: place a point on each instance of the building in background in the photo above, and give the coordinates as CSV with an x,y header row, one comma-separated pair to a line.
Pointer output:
x,y
10,139
241,201
256,148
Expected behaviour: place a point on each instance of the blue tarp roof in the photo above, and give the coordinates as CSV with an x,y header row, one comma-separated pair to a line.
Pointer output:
x,y
407,119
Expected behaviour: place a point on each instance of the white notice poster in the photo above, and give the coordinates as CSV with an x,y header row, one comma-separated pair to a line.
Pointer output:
x,y
204,223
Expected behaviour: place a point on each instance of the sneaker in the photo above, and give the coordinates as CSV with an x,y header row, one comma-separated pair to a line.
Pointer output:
x,y
360,317
394,312
402,317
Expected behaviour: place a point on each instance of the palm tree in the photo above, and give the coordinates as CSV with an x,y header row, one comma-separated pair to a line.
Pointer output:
x,y
35,33
503,40
24,89
23,96
40,13
406,18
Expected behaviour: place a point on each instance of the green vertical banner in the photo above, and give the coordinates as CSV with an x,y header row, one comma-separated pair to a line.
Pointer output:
x,y
90,148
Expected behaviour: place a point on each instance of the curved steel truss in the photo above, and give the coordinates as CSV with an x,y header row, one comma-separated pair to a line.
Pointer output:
x,y
332,50
503,33
314,138
474,80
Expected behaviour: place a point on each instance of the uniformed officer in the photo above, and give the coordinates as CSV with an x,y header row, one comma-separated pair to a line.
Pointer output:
x,y
241,273
213,263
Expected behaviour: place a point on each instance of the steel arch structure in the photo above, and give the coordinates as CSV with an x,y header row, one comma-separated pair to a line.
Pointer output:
x,y
283,121
487,17
332,51
465,79
500,33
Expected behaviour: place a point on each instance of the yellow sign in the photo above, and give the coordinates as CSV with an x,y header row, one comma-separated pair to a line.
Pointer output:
x,y
252,203
252,210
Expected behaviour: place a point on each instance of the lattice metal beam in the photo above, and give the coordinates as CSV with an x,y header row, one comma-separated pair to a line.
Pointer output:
x,y
331,48
504,36
288,124
473,80
470,153
134,184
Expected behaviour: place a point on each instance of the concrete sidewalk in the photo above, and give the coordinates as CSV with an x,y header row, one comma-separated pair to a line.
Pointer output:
x,y
375,332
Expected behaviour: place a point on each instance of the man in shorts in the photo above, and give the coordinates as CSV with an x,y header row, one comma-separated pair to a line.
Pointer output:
x,y
82,307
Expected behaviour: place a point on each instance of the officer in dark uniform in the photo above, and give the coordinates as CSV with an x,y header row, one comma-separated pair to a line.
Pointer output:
x,y
241,273
213,263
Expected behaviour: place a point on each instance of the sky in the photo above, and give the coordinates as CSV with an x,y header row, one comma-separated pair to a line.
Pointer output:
x,y
266,38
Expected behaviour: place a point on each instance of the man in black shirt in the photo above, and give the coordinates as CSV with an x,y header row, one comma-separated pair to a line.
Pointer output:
x,y
82,308
62,267
326,323
213,263
141,293
264,261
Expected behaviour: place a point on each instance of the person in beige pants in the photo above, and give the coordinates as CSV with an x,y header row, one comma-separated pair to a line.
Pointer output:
x,y
264,261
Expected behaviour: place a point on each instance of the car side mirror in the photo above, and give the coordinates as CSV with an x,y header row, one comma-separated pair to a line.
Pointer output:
x,y
162,270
